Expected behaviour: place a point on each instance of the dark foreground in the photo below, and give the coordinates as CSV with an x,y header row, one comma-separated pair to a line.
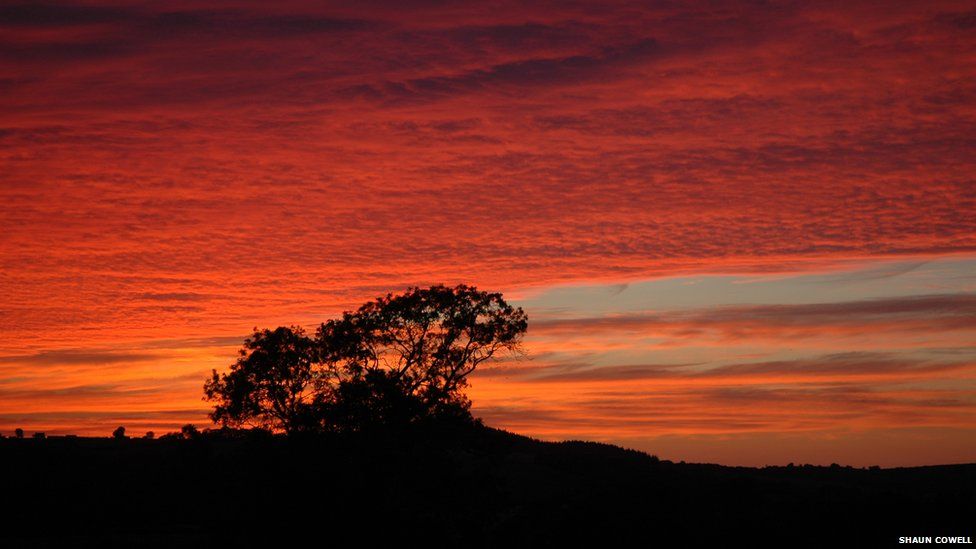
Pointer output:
x,y
451,486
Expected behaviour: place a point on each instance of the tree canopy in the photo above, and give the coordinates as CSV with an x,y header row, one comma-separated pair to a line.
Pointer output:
x,y
396,360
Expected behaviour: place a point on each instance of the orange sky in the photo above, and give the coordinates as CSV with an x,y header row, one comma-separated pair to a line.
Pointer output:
x,y
743,232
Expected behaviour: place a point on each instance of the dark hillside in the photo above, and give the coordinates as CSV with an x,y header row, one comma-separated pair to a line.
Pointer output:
x,y
471,487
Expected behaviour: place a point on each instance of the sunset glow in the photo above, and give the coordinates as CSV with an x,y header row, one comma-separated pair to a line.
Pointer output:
x,y
743,233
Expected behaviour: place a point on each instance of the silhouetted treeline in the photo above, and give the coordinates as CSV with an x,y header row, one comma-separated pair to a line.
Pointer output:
x,y
450,484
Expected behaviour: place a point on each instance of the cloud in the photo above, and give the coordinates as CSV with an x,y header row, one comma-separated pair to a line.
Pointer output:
x,y
172,296
175,175
57,15
195,23
521,74
919,315
79,357
619,409
852,364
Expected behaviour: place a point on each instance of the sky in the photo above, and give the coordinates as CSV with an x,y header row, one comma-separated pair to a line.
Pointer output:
x,y
744,232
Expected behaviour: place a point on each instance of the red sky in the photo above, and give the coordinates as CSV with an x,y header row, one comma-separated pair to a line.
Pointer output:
x,y
174,174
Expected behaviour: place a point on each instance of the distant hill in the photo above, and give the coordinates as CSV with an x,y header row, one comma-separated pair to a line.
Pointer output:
x,y
453,486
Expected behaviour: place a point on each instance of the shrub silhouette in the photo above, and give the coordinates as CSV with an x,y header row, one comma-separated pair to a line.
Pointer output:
x,y
18,432
396,360
186,432
119,432
189,431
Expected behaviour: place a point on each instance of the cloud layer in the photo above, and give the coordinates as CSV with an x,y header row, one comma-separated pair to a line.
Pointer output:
x,y
186,170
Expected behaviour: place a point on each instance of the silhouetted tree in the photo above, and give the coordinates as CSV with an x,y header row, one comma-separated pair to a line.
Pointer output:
x,y
371,399
395,360
270,384
189,431
410,354
149,435
19,433
119,432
